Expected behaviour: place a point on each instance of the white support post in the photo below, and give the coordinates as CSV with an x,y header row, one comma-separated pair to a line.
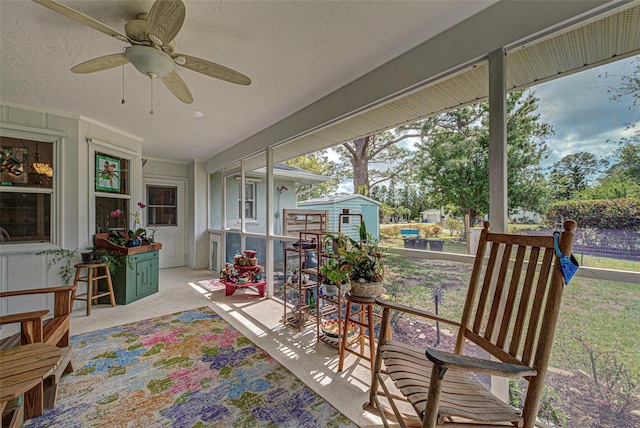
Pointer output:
x,y
497,141
268,259
243,184
498,214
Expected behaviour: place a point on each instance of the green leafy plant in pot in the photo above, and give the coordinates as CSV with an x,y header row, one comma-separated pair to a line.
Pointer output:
x,y
356,264
335,276
364,258
64,258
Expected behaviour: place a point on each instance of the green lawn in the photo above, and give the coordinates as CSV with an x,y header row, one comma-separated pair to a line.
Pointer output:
x,y
606,314
453,244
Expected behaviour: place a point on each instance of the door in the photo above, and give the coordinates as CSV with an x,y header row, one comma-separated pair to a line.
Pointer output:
x,y
215,247
166,214
370,218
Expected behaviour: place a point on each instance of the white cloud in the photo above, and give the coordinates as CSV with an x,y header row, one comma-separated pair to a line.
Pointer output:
x,y
582,114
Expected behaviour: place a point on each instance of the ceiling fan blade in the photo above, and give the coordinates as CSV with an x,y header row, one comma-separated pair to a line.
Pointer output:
x,y
82,18
176,85
165,20
212,69
100,64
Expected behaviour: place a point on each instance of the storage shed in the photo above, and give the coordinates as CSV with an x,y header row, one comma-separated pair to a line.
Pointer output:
x,y
348,204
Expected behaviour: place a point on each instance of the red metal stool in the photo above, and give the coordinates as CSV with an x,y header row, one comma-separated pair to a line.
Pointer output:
x,y
91,278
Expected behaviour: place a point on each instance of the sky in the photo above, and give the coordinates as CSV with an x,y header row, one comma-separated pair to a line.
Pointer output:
x,y
584,118
579,109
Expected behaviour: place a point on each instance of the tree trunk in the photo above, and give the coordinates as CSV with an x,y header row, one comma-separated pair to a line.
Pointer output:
x,y
360,163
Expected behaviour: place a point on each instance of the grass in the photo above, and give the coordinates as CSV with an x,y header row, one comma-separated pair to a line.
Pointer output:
x,y
604,313
453,244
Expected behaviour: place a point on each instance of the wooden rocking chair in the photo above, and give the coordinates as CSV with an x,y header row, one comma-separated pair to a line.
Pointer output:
x,y
511,313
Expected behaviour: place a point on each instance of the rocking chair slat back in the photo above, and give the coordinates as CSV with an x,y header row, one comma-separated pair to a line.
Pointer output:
x,y
525,297
511,297
506,313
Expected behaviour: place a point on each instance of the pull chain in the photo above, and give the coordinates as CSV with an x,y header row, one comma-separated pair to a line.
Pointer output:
x,y
123,101
152,78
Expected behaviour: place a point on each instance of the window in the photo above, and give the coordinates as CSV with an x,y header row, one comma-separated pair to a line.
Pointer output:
x,y
162,206
112,192
26,177
249,201
346,217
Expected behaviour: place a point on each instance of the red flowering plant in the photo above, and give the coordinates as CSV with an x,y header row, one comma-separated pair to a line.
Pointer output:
x,y
135,236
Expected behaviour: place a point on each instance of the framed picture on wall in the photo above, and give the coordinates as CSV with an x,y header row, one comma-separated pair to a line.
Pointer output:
x,y
107,174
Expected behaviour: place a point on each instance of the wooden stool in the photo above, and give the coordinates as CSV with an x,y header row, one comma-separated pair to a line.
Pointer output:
x,y
91,278
366,319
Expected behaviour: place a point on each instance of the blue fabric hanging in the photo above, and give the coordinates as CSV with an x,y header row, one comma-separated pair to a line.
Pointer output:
x,y
568,264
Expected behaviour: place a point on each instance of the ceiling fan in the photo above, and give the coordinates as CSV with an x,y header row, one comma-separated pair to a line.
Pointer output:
x,y
152,47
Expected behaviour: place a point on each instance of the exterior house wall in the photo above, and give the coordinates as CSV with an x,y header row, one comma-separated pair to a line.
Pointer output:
x,y
166,169
20,266
430,216
282,200
530,217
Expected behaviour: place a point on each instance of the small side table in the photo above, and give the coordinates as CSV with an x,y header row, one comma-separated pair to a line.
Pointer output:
x,y
365,318
231,287
91,278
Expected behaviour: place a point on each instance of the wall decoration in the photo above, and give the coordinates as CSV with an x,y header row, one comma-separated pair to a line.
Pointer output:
x,y
14,166
107,174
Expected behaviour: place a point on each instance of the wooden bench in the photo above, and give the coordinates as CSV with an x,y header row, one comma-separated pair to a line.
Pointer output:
x,y
34,328
409,233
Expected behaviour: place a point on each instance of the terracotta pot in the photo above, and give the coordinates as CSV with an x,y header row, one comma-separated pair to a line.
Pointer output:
x,y
253,261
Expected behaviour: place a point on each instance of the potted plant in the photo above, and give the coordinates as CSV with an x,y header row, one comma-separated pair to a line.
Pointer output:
x,y
366,269
335,276
134,241
294,275
66,257
334,241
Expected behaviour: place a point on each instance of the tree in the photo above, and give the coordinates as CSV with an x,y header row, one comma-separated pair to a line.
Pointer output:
x,y
628,164
574,173
453,158
454,225
373,159
622,179
403,213
317,163
386,211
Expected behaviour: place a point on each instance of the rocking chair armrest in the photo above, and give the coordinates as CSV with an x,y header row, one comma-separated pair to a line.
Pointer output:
x,y
462,362
413,311
23,316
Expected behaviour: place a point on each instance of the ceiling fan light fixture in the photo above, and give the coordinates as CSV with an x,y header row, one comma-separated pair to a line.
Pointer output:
x,y
149,61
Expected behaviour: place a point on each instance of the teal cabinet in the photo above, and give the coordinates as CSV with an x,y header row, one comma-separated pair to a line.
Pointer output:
x,y
138,280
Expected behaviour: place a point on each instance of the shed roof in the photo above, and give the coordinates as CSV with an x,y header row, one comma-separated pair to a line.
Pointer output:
x,y
287,172
337,199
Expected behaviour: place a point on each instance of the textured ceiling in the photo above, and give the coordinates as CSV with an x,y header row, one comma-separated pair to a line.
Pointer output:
x,y
295,52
